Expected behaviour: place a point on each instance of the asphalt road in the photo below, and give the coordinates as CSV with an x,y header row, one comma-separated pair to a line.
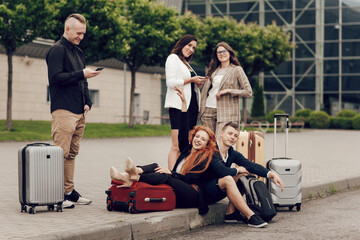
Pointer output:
x,y
333,217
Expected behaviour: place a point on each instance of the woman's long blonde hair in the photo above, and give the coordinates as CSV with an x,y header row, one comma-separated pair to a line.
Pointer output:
x,y
202,155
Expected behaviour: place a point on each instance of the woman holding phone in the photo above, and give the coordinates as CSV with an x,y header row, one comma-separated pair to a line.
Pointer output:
x,y
180,74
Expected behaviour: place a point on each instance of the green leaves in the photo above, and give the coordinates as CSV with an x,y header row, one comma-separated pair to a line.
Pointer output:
x,y
21,21
146,31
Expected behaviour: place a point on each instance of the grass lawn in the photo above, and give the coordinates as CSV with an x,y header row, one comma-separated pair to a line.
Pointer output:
x,y
41,130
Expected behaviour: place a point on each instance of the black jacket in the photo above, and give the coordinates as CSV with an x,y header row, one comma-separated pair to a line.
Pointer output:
x,y
68,87
216,167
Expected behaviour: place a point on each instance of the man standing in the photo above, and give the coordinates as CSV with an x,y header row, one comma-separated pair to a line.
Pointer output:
x,y
70,99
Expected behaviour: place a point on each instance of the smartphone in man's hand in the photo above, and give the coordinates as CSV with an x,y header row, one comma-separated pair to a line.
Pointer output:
x,y
99,69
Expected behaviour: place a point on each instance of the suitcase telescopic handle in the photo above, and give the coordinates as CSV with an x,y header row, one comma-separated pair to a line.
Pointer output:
x,y
281,115
155,199
286,132
38,144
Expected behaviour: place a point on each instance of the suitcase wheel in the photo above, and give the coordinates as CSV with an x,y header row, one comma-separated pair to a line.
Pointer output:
x,y
51,207
108,207
291,208
131,209
298,207
32,210
23,208
59,208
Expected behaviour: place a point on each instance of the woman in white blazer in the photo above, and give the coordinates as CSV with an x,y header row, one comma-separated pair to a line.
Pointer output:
x,y
180,74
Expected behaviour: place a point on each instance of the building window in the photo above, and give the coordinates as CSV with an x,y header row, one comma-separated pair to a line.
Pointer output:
x,y
94,97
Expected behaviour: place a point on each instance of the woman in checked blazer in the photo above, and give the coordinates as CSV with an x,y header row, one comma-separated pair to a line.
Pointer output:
x,y
221,93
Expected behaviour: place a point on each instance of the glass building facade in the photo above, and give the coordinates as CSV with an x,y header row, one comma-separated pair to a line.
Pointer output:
x,y
324,70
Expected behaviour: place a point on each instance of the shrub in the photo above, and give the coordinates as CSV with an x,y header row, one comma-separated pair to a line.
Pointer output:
x,y
319,119
341,122
346,113
305,113
270,115
356,122
257,109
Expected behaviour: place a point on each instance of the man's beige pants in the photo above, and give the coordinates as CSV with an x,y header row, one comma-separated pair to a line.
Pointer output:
x,y
67,130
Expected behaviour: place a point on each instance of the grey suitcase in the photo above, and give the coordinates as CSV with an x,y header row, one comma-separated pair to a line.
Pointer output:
x,y
289,171
41,177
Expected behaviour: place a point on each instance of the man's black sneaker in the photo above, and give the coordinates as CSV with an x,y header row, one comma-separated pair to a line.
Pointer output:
x,y
256,221
77,198
234,217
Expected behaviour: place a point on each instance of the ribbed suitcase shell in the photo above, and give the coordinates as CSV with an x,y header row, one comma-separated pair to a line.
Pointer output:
x,y
289,171
41,175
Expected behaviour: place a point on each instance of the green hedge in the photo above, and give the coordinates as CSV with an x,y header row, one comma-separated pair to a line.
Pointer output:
x,y
345,119
270,115
304,113
346,113
356,122
341,123
319,119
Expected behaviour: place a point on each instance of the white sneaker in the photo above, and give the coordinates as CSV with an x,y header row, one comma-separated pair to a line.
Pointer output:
x,y
83,201
76,198
68,204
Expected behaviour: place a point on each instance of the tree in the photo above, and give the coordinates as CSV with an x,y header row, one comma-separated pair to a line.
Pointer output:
x,y
217,30
146,32
257,109
100,23
21,21
193,24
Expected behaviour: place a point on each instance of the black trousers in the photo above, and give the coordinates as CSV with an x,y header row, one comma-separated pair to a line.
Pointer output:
x,y
186,195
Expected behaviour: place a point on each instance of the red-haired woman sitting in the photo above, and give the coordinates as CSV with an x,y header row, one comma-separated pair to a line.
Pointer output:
x,y
198,152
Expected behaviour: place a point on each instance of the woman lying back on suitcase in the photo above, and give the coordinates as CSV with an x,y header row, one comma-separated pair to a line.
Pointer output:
x,y
199,159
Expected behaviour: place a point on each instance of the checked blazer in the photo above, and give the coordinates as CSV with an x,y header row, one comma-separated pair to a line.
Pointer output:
x,y
228,107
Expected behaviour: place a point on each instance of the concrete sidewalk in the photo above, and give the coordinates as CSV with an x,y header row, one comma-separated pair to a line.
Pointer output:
x,y
330,160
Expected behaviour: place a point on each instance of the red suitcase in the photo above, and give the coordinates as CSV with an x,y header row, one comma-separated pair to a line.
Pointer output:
x,y
140,197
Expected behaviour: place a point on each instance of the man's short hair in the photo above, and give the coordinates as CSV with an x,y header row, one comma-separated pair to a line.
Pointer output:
x,y
231,124
77,16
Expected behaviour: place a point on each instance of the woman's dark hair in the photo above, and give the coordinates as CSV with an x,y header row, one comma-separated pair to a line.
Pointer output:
x,y
215,63
183,41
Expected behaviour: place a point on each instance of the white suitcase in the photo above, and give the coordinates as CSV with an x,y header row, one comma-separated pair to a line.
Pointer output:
x,y
41,177
289,170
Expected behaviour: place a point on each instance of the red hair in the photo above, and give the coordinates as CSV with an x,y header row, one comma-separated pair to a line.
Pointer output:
x,y
201,156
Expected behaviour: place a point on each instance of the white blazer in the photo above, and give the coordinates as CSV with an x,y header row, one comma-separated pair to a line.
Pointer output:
x,y
176,71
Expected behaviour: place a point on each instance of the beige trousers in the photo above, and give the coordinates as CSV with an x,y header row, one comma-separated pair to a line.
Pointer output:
x,y
67,130
209,119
